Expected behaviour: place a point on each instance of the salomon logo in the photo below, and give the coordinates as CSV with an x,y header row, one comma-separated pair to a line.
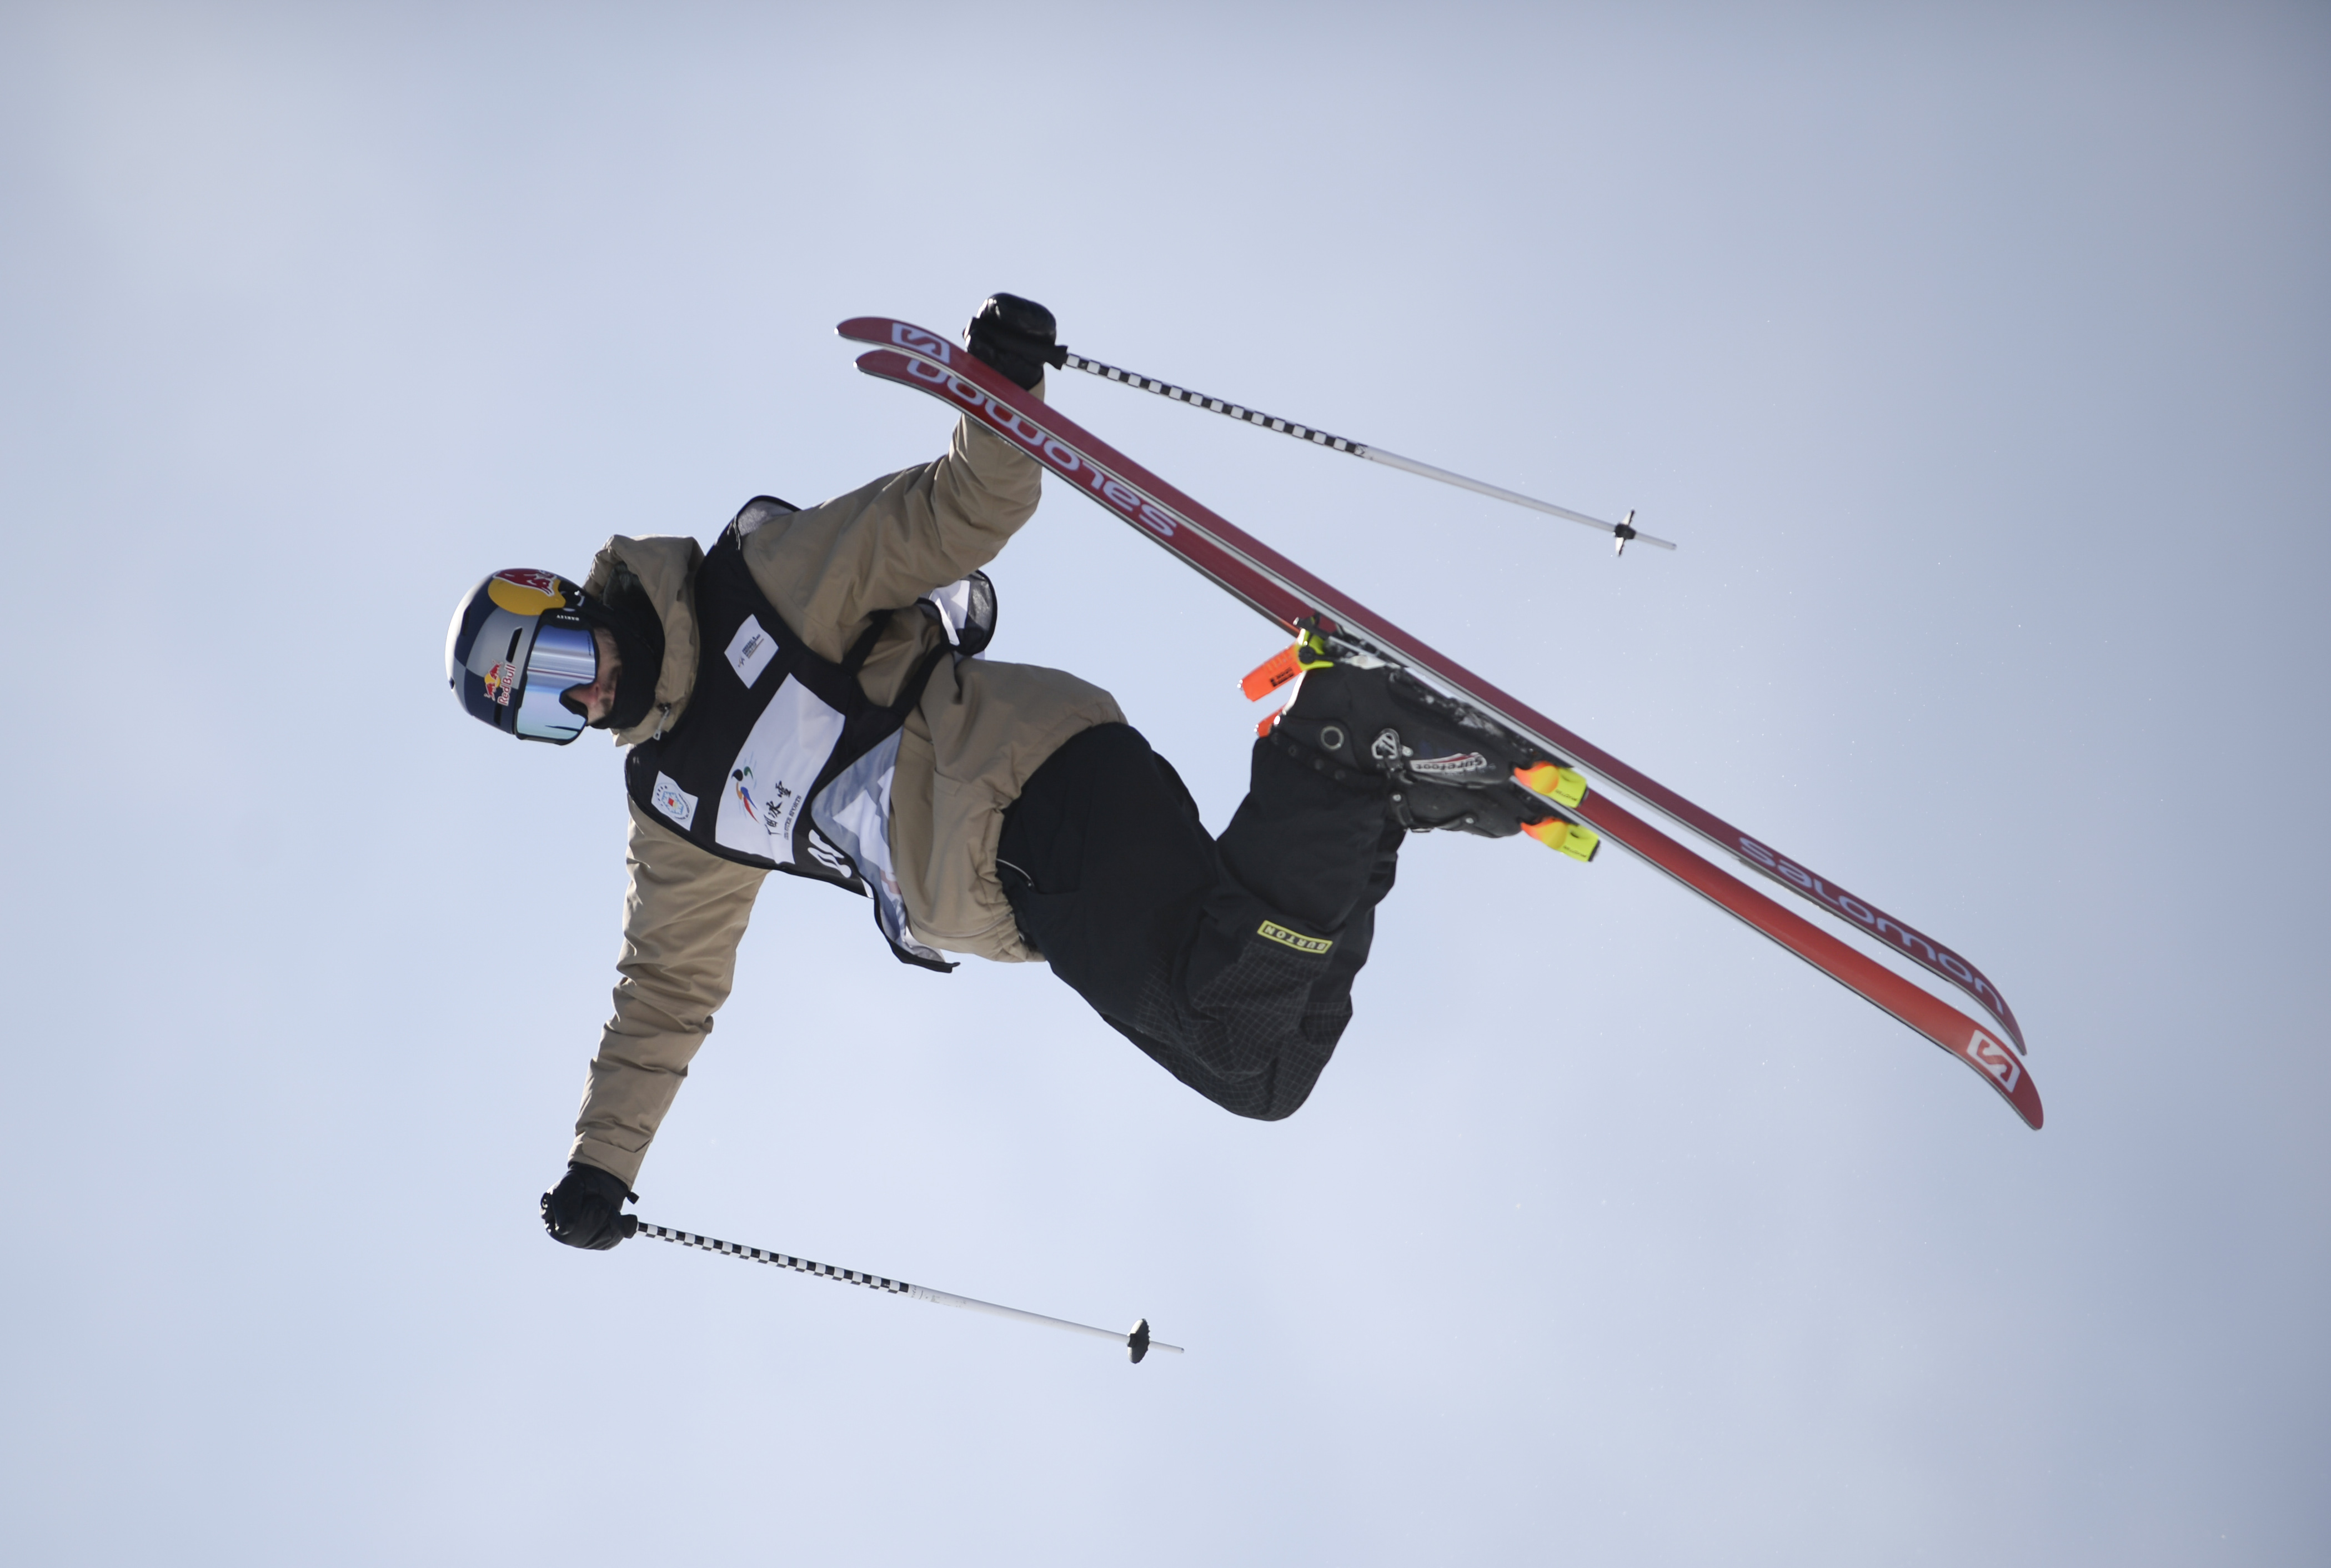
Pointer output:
x,y
915,341
1996,1060
1916,943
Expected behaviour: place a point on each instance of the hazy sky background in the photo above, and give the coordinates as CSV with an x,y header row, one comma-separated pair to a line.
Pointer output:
x,y
1978,356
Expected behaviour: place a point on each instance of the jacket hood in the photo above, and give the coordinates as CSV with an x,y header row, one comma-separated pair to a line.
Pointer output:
x,y
665,566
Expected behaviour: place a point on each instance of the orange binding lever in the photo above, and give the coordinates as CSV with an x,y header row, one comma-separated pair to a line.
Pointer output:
x,y
1272,673
1309,653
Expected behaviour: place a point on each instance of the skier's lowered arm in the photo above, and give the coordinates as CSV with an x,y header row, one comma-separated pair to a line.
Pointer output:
x,y
684,913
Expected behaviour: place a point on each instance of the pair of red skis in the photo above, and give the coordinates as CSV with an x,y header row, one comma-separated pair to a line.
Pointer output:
x,y
1282,590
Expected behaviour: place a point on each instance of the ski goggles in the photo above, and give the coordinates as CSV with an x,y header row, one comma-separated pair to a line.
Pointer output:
x,y
561,657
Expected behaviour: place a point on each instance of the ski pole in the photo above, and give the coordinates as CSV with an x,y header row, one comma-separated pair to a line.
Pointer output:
x,y
1620,531
1138,1340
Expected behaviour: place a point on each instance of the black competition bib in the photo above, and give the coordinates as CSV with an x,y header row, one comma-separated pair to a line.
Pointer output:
x,y
781,760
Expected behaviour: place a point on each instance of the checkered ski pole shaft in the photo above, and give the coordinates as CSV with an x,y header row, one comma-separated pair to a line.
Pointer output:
x,y
1136,1341
1620,531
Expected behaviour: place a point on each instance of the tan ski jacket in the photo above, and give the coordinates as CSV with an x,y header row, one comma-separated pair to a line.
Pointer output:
x,y
981,728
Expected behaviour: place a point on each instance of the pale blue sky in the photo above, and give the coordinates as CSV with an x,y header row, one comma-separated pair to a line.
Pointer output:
x,y
1975,354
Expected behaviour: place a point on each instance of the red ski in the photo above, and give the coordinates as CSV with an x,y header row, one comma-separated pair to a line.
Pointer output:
x,y
1286,593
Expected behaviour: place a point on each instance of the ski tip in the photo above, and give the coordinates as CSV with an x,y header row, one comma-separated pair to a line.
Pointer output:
x,y
2004,1070
918,342
870,329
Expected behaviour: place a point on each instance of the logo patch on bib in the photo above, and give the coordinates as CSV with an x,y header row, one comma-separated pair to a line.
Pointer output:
x,y
750,651
674,801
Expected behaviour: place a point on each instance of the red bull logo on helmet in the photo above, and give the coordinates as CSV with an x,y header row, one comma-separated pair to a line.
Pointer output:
x,y
524,591
501,683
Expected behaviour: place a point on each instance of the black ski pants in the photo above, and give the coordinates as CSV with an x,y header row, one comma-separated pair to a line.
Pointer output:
x,y
1228,961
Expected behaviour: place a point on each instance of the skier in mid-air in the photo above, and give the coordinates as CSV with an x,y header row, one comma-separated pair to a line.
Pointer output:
x,y
806,697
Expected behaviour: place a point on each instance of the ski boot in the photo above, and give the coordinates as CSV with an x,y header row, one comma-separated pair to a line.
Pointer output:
x,y
1449,768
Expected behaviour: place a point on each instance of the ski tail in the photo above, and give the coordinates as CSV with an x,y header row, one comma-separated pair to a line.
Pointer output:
x,y
1277,588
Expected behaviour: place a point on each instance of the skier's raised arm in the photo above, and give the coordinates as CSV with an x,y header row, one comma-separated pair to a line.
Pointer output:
x,y
831,567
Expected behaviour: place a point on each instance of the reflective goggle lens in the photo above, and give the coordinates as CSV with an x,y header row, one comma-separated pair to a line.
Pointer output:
x,y
562,657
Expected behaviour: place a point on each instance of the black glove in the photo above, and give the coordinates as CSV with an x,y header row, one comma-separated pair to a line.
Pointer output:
x,y
1015,336
586,1208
